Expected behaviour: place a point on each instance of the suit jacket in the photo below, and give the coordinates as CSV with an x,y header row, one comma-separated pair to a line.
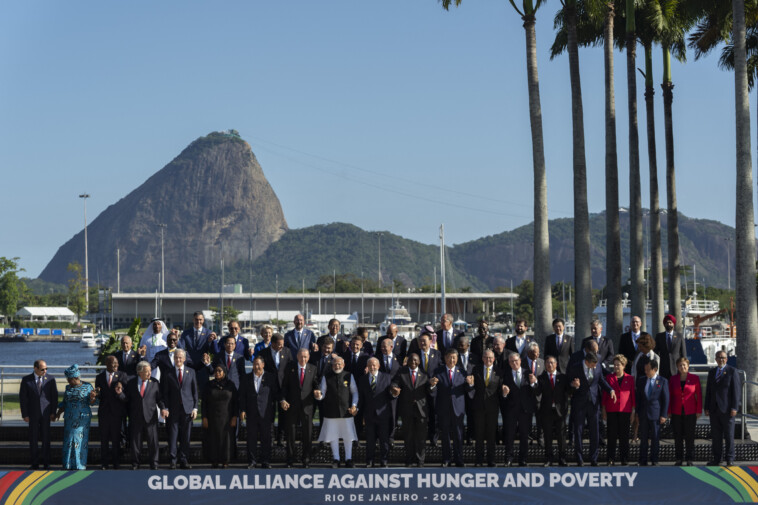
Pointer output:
x,y
520,398
243,346
143,409
605,353
375,404
162,361
510,345
691,398
450,397
412,402
306,340
196,349
441,347
110,405
669,356
180,397
725,394
260,404
628,349
236,372
588,392
300,398
38,403
539,366
400,349
128,363
472,361
479,344
435,361
487,396
396,365
563,355
269,365
321,367
657,404
552,395
359,369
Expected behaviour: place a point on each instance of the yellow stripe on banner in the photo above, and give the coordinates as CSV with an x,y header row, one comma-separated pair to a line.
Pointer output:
x,y
750,484
26,485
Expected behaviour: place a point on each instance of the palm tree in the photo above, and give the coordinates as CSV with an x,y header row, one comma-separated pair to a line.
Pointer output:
x,y
543,302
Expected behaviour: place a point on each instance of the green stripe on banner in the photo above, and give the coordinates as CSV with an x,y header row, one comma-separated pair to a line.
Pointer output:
x,y
41,485
724,474
714,481
61,485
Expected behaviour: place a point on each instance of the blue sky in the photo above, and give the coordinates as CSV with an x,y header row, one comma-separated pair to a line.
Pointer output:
x,y
354,109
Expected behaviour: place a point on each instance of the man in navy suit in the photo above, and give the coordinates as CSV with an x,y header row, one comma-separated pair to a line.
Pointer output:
x,y
242,346
605,351
488,388
552,386
164,360
111,412
198,341
298,398
38,395
410,387
628,341
520,341
375,401
322,359
277,360
355,359
652,397
258,396
127,358
723,393
586,378
669,346
449,388
300,337
559,345
143,394
234,362
446,335
431,360
399,344
180,395
388,362
520,402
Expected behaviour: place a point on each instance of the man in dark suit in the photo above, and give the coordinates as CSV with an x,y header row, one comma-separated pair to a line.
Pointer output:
x,y
143,394
521,403
340,341
652,397
466,362
197,341
399,344
110,413
258,395
355,359
242,345
588,346
483,339
322,359
410,386
430,361
670,347
628,342
723,393
586,378
559,345
127,358
277,360
38,396
164,360
605,351
533,363
501,354
298,388
375,401
488,389
552,388
300,337
388,362
446,335
180,394
520,341
234,362
449,388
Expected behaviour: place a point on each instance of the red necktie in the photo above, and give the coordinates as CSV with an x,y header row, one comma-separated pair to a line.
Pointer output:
x,y
142,389
552,380
533,365
302,376
110,378
180,376
229,362
413,378
450,372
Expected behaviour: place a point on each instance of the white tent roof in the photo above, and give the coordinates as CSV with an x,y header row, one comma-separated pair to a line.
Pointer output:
x,y
45,312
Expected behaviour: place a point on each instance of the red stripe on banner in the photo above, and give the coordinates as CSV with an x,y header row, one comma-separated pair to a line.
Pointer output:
x,y
754,469
7,480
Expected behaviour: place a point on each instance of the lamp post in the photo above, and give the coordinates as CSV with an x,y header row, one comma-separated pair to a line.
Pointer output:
x,y
163,264
84,196
380,260
728,264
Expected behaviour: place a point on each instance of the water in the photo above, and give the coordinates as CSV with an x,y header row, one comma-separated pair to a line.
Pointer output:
x,y
54,353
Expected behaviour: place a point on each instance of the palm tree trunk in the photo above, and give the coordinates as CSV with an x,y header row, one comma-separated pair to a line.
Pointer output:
x,y
582,271
747,311
672,216
656,261
635,191
615,315
543,301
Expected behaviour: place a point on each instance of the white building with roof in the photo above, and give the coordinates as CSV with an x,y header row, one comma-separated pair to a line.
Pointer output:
x,y
46,314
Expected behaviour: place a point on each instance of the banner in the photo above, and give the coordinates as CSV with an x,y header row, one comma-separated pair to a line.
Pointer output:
x,y
646,485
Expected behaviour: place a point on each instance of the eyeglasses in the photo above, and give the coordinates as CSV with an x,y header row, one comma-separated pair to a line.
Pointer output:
x,y
42,369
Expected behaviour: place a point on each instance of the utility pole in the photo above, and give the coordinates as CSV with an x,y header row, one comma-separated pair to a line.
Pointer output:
x,y
380,260
163,264
84,196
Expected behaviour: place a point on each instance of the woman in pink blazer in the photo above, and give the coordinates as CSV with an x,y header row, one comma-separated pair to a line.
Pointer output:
x,y
619,413
685,406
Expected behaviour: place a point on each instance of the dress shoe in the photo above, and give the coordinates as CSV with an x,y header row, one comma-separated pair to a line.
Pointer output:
x,y
266,465
46,467
580,463
224,466
562,462
103,467
349,464
689,462
445,464
172,466
384,464
251,466
654,463
594,463
611,462
153,467
187,466
729,462
643,463
420,465
335,463
34,467
712,463
548,463
624,462
306,465
289,464
135,467
370,464
460,465
522,463
491,465
679,462
214,465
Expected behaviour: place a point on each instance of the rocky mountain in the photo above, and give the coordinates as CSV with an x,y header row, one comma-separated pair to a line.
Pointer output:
x,y
214,189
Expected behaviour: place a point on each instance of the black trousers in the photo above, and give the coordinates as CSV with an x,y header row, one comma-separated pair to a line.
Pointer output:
x,y
179,427
39,432
684,434
258,428
554,428
523,422
379,428
305,420
722,428
618,430
485,431
110,434
138,428
451,429
415,430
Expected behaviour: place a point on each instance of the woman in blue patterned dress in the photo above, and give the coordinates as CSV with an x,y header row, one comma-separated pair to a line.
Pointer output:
x,y
76,405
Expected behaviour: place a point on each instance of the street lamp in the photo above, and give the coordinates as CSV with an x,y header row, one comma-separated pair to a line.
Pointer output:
x,y
380,260
728,264
163,265
84,196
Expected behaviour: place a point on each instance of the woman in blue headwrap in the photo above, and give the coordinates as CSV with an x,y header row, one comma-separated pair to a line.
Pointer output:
x,y
76,405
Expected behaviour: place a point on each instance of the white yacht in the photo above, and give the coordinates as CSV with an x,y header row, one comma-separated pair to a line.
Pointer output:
x,y
400,316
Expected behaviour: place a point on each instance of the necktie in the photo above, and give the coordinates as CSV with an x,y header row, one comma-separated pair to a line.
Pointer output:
x,y
257,383
110,378
463,361
450,374
558,341
448,343
534,365
552,381
589,375
39,384
355,361
413,378
323,364
718,373
302,376
142,389
426,361
373,382
276,360
228,362
180,376
487,378
518,378
650,388
387,363
668,341
197,334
